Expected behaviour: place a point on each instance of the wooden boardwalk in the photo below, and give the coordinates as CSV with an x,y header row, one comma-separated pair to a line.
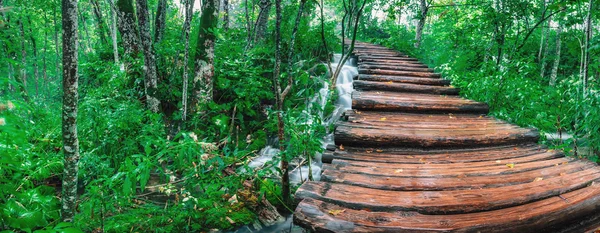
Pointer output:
x,y
413,156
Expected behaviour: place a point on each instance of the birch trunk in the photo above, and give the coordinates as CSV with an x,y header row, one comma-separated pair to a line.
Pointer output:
x,y
423,16
127,27
186,53
69,112
113,30
554,74
150,74
161,18
205,55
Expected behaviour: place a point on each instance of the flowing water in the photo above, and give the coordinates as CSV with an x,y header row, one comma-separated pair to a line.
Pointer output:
x,y
299,174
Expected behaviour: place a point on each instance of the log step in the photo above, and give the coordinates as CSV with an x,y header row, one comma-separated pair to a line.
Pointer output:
x,y
402,87
539,216
404,79
447,201
404,102
399,73
394,67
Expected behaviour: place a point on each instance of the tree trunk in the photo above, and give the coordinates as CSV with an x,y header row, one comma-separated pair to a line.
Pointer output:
x,y
44,58
113,31
248,24
554,73
225,15
150,74
56,49
161,18
423,16
544,57
23,68
127,27
186,52
285,176
87,41
99,21
588,34
69,113
35,54
262,21
205,55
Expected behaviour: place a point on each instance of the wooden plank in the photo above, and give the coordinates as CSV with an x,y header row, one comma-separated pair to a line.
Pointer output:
x,y
389,58
404,79
320,216
500,169
392,64
380,101
448,183
401,87
394,67
399,72
447,202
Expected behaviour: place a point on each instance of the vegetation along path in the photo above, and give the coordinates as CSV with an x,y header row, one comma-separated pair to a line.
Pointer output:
x,y
412,156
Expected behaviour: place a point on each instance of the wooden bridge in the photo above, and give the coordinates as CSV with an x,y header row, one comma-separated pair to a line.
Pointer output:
x,y
413,156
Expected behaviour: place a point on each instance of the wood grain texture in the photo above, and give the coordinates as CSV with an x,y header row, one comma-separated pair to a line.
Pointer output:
x,y
413,157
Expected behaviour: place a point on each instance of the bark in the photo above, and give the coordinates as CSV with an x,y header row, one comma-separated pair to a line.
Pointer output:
x,y
99,21
554,74
56,48
22,77
424,8
35,55
544,59
225,15
127,27
186,35
161,18
588,34
285,176
205,55
150,73
113,31
69,113
262,22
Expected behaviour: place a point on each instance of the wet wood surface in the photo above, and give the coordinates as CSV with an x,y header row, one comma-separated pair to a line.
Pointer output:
x,y
413,156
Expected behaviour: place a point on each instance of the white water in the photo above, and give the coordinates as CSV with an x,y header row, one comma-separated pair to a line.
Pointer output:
x,y
300,173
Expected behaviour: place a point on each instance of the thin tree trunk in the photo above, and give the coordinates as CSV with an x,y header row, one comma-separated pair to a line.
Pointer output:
x,y
87,42
113,30
285,176
56,48
588,34
291,50
262,21
225,15
44,58
423,16
248,24
554,73
160,21
69,113
150,73
36,72
186,53
205,55
99,21
127,27
23,68
544,57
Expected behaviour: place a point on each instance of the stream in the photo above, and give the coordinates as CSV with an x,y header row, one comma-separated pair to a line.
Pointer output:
x,y
300,173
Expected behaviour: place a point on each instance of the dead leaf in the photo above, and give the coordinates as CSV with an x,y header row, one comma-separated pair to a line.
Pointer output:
x,y
422,160
510,165
498,161
538,179
341,147
369,151
565,163
562,174
462,176
410,156
398,170
383,119
379,150
336,212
